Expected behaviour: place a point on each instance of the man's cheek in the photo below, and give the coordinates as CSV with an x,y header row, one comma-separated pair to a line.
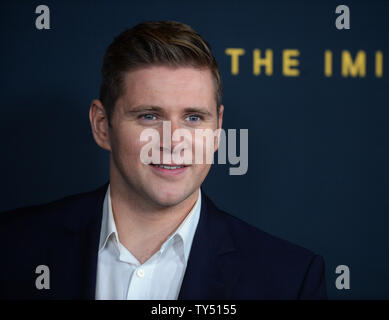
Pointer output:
x,y
203,150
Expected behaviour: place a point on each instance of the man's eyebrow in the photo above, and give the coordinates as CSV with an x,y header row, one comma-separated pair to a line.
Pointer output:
x,y
151,108
199,110
143,108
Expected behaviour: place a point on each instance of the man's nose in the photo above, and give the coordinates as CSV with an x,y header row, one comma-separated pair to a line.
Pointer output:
x,y
168,129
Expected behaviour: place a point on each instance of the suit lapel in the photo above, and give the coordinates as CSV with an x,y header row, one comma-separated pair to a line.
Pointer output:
x,y
73,256
212,268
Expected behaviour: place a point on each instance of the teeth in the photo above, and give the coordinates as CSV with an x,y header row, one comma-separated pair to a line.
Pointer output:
x,y
168,167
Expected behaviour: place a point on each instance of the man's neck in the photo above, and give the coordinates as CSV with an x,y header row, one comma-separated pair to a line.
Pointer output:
x,y
142,227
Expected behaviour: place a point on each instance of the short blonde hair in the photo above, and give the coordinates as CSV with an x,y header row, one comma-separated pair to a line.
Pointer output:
x,y
168,43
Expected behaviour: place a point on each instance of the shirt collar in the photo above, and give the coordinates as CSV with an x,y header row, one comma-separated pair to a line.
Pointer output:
x,y
108,226
185,232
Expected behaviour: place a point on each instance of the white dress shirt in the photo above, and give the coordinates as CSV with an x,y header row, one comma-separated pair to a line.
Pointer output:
x,y
120,276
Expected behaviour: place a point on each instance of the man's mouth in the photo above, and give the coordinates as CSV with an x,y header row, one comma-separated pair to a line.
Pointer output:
x,y
169,169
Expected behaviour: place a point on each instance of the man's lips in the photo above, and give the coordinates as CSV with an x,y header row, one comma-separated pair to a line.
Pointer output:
x,y
169,169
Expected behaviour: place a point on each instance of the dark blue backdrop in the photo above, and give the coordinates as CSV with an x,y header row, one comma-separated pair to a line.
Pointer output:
x,y
318,153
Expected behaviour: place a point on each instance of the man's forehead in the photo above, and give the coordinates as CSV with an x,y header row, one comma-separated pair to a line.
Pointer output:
x,y
165,87
160,79
165,70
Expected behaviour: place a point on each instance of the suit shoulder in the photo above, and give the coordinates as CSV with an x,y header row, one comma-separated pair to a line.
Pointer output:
x,y
37,217
256,241
283,269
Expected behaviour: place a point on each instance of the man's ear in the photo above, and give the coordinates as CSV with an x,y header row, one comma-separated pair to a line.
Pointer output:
x,y
99,124
219,127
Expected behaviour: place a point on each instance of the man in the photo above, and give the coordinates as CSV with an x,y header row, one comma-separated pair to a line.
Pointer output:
x,y
150,232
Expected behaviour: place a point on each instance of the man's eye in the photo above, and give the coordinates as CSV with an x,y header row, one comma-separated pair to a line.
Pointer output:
x,y
148,116
193,118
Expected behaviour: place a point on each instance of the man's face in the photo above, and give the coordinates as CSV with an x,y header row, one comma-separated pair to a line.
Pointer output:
x,y
184,96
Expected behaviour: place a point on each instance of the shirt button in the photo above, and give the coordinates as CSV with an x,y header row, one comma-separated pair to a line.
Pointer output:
x,y
140,273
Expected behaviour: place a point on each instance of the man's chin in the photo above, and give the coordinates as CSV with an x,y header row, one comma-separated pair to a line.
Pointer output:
x,y
169,199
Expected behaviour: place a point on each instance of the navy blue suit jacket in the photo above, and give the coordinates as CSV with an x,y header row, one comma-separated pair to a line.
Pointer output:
x,y
229,259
